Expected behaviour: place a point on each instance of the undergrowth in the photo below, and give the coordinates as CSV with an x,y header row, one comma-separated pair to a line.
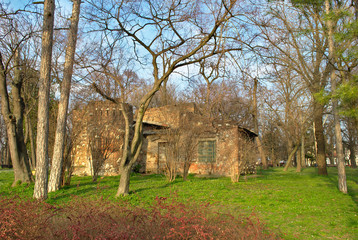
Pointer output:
x,y
83,218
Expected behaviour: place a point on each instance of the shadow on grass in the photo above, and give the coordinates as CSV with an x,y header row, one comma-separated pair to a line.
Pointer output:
x,y
352,182
104,186
168,184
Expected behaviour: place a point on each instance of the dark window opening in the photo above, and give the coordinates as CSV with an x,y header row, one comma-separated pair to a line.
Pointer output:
x,y
207,151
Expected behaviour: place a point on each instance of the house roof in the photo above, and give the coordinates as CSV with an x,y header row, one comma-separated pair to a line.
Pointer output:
x,y
229,123
172,116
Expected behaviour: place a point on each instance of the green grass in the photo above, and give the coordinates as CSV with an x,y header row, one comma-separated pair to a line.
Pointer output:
x,y
297,205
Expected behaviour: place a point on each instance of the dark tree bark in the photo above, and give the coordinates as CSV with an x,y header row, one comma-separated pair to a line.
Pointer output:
x,y
14,122
40,190
319,137
32,142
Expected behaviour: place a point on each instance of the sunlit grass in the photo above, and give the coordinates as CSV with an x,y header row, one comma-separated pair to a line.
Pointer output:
x,y
299,205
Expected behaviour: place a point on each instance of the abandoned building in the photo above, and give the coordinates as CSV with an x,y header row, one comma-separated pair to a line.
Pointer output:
x,y
173,137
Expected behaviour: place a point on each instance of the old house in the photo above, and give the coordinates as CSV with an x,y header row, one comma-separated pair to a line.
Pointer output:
x,y
216,147
176,138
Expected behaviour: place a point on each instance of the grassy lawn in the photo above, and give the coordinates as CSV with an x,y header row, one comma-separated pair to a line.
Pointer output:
x,y
296,205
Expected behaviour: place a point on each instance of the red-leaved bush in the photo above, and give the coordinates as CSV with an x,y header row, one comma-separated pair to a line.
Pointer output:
x,y
102,219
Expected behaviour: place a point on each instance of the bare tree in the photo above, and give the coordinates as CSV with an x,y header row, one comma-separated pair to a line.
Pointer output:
x,y
247,157
302,53
256,125
169,47
102,144
180,146
342,183
41,183
171,150
12,40
57,159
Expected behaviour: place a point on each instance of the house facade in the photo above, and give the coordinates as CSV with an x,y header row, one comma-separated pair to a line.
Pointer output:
x,y
215,147
175,137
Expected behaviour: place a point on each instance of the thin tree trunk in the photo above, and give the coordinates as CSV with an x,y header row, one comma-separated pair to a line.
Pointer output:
x,y
256,126
352,156
289,147
40,190
298,161
303,157
273,158
352,136
32,145
319,137
30,137
57,159
123,188
342,183
7,154
290,157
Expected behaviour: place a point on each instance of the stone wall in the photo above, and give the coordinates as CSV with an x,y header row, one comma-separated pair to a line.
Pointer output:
x,y
227,140
97,119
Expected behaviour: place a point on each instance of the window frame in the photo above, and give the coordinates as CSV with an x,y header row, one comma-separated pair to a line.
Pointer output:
x,y
206,153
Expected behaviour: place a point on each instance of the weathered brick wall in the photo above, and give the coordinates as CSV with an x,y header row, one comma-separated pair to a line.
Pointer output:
x,y
226,138
151,154
98,117
168,115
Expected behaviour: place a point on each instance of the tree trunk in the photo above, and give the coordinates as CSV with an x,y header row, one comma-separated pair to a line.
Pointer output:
x,y
256,126
352,156
342,184
290,157
57,159
13,121
186,168
18,110
319,137
130,154
32,145
123,188
40,190
273,158
298,161
303,153
352,136
94,177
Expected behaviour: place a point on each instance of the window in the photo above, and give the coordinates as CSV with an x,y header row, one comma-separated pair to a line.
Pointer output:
x,y
206,151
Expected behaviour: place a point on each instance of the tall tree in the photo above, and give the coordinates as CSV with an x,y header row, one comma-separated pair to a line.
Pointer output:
x,y
295,34
342,183
57,159
14,122
41,183
256,125
13,112
170,45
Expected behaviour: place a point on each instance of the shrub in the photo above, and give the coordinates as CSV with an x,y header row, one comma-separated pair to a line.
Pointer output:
x,y
102,219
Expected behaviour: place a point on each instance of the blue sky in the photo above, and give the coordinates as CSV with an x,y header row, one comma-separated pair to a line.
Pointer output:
x,y
17,4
